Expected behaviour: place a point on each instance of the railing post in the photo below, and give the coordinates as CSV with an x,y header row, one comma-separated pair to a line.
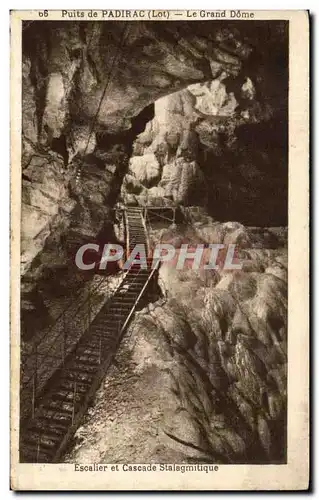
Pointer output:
x,y
38,449
89,310
64,342
33,396
127,235
35,381
73,409
100,350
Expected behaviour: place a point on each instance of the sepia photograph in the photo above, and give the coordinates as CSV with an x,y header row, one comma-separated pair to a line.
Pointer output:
x,y
153,223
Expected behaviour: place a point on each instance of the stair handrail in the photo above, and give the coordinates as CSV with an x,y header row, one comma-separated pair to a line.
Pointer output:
x,y
50,328
47,355
108,302
36,344
139,297
37,377
127,232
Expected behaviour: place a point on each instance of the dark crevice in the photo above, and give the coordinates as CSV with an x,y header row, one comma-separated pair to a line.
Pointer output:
x,y
117,149
58,145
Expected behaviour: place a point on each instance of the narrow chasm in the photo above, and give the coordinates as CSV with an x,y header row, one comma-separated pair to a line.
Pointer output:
x,y
201,373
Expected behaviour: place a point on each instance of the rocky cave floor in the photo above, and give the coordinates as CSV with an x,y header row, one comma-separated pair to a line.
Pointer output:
x,y
201,373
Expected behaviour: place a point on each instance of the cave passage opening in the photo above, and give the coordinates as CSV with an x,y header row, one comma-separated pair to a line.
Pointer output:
x,y
59,145
243,169
239,180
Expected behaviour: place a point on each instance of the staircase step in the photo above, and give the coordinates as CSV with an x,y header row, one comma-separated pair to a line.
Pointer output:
x,y
115,315
127,301
87,358
118,304
46,442
60,406
88,350
30,454
58,417
80,377
68,384
108,320
132,294
53,423
121,309
135,287
66,396
41,428
78,367
136,278
105,329
138,272
93,344
130,291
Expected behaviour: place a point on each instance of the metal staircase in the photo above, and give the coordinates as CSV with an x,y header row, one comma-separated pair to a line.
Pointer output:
x,y
57,411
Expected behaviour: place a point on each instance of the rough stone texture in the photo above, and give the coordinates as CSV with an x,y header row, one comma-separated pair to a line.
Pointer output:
x,y
201,374
59,214
44,198
67,66
196,148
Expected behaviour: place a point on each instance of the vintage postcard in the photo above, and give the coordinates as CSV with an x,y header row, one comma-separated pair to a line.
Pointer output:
x,y
159,250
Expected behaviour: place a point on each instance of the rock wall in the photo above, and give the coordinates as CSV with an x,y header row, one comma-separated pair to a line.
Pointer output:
x,y
208,147
85,85
201,375
70,63
62,209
